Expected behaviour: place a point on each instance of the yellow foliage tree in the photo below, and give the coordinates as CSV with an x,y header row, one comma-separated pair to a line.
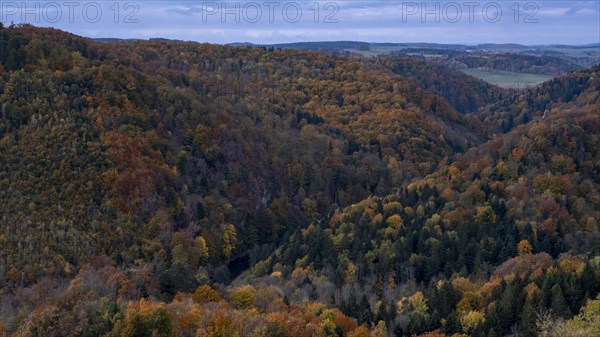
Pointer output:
x,y
203,248
229,239
470,321
395,222
524,248
243,297
205,294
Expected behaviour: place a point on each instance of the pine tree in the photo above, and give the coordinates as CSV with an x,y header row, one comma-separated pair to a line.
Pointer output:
x,y
574,292
588,281
365,314
558,304
451,325
528,318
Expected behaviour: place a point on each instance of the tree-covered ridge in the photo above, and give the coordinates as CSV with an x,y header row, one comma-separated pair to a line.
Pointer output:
x,y
541,64
556,64
102,300
580,88
465,93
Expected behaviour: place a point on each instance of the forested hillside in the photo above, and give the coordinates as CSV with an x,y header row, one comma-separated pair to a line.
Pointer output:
x,y
548,62
125,142
573,90
499,235
356,197
465,93
542,64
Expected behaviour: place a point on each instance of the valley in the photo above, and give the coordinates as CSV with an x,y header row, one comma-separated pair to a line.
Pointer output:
x,y
170,188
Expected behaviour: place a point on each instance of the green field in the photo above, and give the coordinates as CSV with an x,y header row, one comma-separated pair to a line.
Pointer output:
x,y
507,79
373,52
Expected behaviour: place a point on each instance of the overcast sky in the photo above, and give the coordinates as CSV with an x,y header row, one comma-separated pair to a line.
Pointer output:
x,y
466,22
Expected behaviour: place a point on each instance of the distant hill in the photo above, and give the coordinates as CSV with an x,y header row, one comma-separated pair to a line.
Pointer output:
x,y
323,45
503,46
108,39
549,65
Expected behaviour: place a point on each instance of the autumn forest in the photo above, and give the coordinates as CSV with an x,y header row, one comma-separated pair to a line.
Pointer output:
x,y
167,188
